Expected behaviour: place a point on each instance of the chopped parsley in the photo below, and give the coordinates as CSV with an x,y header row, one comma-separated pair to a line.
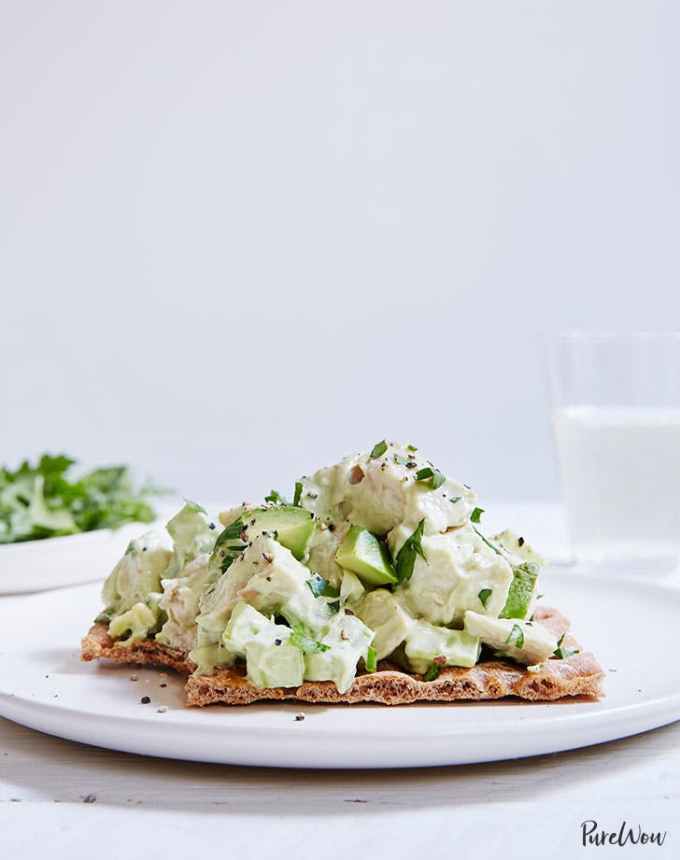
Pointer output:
x,y
432,673
411,448
302,639
455,499
275,498
487,541
320,587
229,545
298,494
433,476
476,515
371,661
378,450
515,637
561,652
484,596
406,557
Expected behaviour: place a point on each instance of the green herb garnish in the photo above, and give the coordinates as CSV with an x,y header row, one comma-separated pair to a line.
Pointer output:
x,y
406,557
303,639
371,661
484,596
411,448
476,515
455,499
561,652
320,587
515,637
228,546
433,476
298,494
275,498
45,500
487,541
378,450
432,673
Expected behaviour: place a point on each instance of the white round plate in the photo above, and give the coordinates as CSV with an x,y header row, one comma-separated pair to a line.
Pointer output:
x,y
629,624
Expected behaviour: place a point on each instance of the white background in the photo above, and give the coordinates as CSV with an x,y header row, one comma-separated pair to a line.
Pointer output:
x,y
238,240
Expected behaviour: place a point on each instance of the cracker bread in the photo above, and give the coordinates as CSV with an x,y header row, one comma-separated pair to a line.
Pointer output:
x,y
579,675
98,645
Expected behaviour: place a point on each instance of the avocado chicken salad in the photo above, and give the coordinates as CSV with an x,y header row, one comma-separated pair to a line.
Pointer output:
x,y
380,557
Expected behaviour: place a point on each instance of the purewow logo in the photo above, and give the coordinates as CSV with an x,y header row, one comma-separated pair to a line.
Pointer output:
x,y
627,834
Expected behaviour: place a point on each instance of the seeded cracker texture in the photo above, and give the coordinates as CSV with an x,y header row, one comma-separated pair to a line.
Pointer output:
x,y
578,675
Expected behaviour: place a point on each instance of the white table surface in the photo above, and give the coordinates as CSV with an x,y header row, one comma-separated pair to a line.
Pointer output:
x,y
71,801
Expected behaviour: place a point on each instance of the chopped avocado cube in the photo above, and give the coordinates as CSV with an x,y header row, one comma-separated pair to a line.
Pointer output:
x,y
525,642
346,641
247,625
380,611
363,554
522,587
136,623
427,644
274,665
291,526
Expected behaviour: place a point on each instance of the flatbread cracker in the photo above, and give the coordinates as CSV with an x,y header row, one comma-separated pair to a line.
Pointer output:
x,y
578,675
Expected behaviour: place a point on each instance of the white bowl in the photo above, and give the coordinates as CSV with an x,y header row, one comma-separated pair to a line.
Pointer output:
x,y
38,565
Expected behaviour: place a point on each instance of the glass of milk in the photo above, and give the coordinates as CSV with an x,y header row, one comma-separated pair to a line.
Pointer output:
x,y
616,414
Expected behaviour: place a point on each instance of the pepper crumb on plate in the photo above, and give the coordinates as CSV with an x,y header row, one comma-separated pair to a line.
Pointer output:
x,y
299,717
145,700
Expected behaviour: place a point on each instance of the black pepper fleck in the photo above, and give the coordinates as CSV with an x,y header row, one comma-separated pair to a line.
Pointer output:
x,y
145,700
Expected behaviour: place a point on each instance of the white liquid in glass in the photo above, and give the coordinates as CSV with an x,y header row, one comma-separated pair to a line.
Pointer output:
x,y
621,477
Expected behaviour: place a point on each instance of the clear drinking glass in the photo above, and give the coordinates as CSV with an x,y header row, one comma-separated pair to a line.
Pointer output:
x,y
616,415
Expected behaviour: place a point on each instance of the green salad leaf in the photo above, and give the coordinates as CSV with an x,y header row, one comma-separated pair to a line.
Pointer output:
x,y
45,499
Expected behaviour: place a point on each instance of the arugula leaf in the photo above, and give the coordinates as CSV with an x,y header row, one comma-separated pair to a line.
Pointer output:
x,y
476,515
298,494
303,639
406,557
484,596
44,500
432,673
371,661
378,450
515,637
275,498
